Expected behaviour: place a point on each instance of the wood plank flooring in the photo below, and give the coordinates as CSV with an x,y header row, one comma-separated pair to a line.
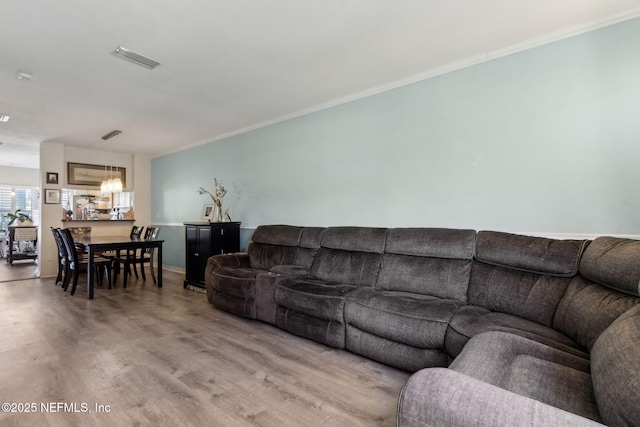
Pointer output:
x,y
22,269
166,357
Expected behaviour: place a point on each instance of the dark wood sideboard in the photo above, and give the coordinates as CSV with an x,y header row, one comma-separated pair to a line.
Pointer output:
x,y
203,240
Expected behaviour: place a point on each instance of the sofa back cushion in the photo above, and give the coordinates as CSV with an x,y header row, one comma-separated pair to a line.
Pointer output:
x,y
615,359
532,254
309,245
273,245
349,255
613,262
588,308
522,275
606,287
428,261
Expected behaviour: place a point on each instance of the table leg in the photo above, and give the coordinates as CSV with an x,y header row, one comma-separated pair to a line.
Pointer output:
x,y
160,265
90,272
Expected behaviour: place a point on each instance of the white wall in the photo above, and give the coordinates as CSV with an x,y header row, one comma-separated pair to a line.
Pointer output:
x,y
19,176
54,158
99,157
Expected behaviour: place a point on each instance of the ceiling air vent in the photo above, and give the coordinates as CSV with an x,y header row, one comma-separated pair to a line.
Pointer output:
x,y
136,58
111,134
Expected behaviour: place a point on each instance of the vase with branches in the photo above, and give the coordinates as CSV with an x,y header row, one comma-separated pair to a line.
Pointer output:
x,y
217,196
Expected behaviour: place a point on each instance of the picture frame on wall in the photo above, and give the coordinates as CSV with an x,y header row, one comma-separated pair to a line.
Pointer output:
x,y
93,175
207,212
51,196
52,178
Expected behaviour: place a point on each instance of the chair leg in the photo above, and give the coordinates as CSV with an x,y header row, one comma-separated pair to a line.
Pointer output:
x,y
75,281
125,274
59,276
67,278
135,270
142,271
116,270
153,274
108,268
99,274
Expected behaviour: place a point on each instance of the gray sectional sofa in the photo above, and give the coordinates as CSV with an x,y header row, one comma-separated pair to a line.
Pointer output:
x,y
497,328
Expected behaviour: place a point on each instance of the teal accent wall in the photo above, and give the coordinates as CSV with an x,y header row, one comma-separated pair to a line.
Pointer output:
x,y
542,141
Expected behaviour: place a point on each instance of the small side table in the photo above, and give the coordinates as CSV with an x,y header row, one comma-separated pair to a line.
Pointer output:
x,y
27,235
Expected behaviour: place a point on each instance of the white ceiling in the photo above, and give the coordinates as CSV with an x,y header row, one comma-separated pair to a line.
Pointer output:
x,y
230,66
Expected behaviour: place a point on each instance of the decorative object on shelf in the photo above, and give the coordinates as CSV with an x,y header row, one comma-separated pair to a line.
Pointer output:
x,y
24,220
67,214
52,178
95,175
207,213
216,214
51,197
128,214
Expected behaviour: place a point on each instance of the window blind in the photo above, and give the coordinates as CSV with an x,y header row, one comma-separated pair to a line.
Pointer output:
x,y
5,206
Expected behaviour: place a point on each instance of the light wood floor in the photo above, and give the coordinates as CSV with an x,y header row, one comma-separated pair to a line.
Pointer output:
x,y
23,269
166,357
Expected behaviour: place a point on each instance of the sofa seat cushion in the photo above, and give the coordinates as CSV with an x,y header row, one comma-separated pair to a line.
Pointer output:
x,y
391,352
413,319
312,297
471,320
530,369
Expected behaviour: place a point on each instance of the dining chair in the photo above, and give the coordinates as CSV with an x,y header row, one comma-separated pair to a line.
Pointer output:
x,y
76,261
79,233
147,254
125,260
62,256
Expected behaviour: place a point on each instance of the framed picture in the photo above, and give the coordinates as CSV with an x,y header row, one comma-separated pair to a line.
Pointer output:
x,y
207,212
93,175
52,178
51,197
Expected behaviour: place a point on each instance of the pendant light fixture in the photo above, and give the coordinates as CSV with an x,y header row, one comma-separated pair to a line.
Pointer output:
x,y
111,185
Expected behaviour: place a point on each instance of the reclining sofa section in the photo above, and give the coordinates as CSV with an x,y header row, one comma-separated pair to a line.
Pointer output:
x,y
534,331
504,378
242,283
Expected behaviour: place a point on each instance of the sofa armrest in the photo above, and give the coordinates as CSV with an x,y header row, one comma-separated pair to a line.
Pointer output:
x,y
290,270
444,397
234,260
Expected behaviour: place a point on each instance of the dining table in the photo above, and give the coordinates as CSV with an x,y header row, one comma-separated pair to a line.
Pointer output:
x,y
97,244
